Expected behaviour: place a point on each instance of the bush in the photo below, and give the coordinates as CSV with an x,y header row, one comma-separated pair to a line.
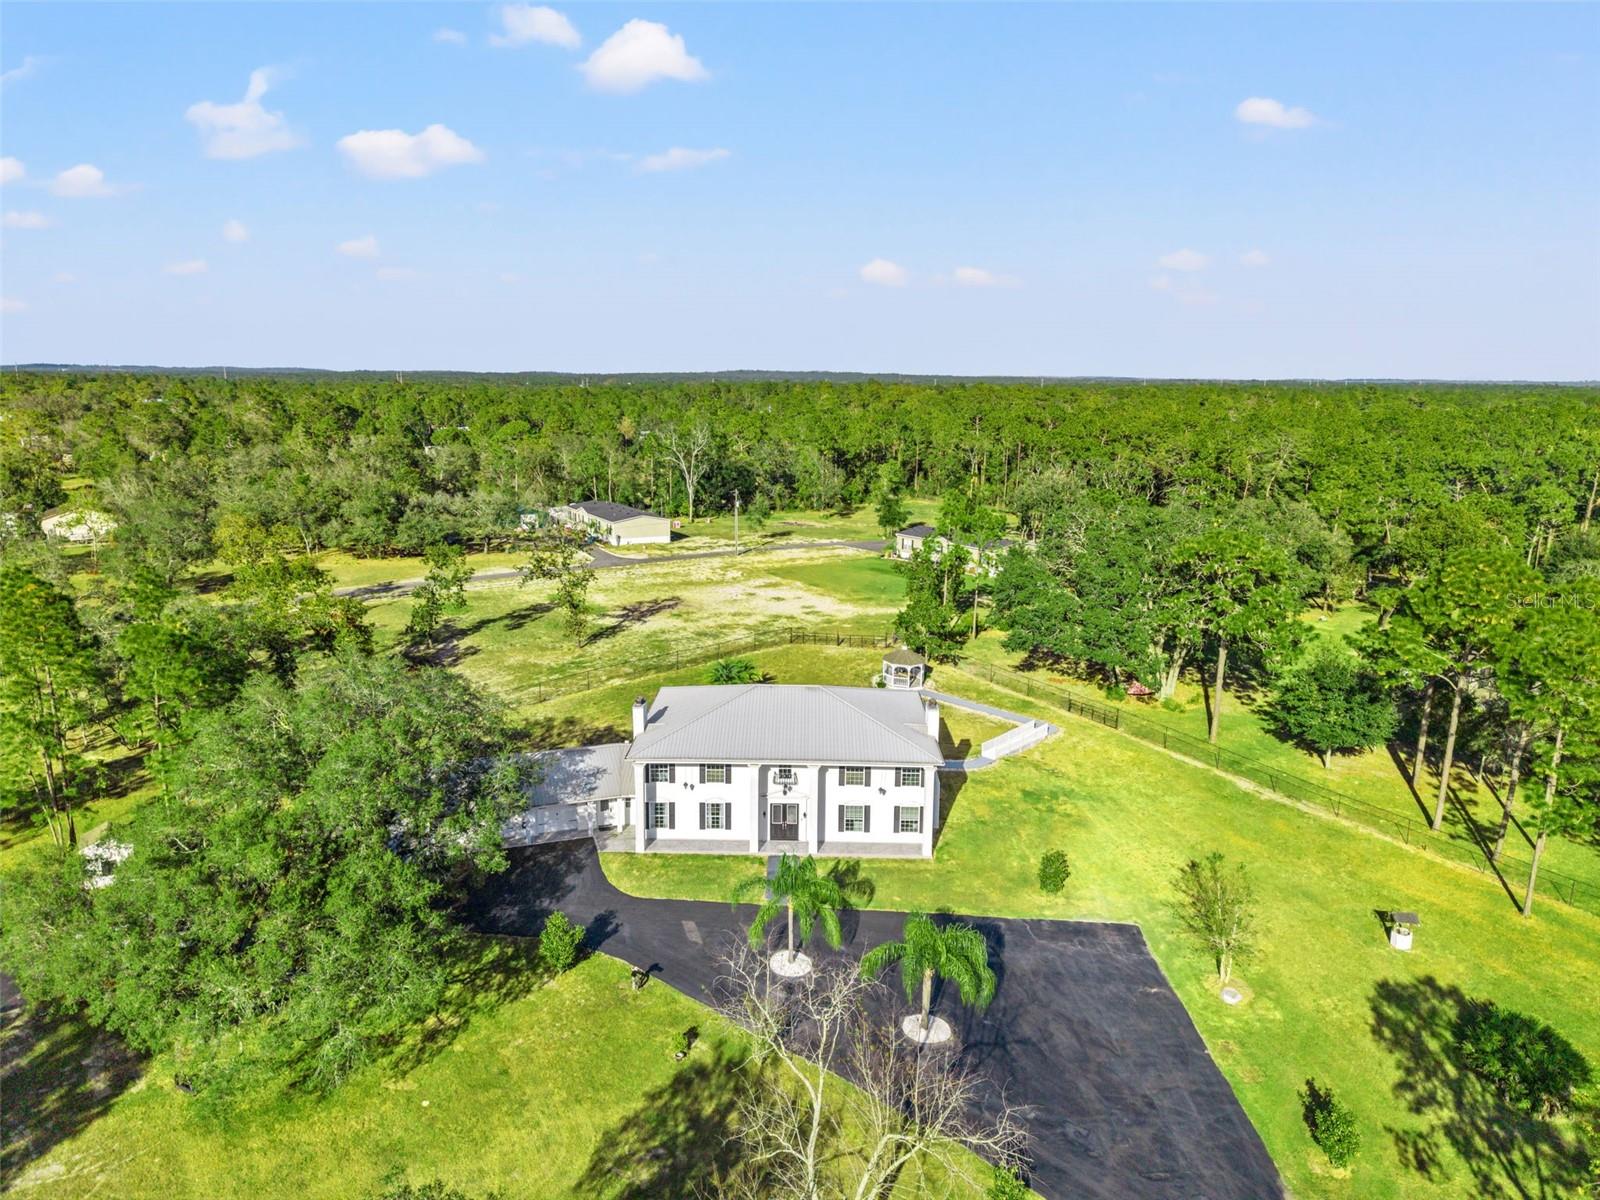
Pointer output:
x,y
559,941
1053,872
734,670
1332,1124
1006,1184
1529,1065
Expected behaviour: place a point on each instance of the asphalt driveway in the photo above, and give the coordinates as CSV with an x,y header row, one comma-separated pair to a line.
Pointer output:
x,y
1120,1097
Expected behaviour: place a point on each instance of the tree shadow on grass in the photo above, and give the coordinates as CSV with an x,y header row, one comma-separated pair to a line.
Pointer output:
x,y
555,732
1505,1151
633,614
485,971
680,1141
61,1073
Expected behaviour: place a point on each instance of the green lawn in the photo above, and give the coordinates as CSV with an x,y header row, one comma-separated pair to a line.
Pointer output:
x,y
1128,816
565,1090
350,571
1372,777
869,583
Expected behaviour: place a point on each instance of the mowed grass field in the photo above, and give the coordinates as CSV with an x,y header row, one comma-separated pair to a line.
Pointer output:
x,y
1327,997
1373,777
511,640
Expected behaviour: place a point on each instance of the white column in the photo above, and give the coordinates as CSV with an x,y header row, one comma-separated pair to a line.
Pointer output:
x,y
640,799
816,807
930,811
755,808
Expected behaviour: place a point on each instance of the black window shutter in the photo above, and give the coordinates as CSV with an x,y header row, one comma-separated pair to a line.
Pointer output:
x,y
841,776
672,773
672,815
702,814
866,818
727,816
841,813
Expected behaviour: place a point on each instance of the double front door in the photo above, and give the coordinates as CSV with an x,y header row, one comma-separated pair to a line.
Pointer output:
x,y
783,821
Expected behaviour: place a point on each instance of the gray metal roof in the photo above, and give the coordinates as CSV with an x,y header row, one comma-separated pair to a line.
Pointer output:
x,y
606,510
582,773
785,723
920,531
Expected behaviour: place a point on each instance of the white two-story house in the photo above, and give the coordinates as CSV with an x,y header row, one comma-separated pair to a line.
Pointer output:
x,y
754,769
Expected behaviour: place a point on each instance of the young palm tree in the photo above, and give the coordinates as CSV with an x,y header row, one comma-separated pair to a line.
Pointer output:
x,y
954,952
803,894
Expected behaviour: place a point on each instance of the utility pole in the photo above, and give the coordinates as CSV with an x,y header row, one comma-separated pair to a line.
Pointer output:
x,y
735,518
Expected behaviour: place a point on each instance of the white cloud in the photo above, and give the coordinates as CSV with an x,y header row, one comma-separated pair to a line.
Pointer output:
x,y
235,231
10,305
245,129
1184,293
1184,260
680,158
84,181
361,247
189,266
64,278
396,154
394,274
14,219
1254,258
524,23
980,277
884,273
450,37
637,55
26,69
11,169
1260,110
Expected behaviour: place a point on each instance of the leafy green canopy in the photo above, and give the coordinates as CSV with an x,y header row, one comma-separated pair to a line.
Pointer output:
x,y
285,903
956,952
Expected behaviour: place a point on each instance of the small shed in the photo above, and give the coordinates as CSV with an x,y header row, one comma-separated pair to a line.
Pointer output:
x,y
904,669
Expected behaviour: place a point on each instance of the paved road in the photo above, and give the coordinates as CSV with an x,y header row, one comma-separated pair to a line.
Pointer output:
x,y
599,559
1120,1096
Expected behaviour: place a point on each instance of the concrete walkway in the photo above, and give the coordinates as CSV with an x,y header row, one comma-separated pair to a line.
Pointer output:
x,y
1118,1093
600,559
979,762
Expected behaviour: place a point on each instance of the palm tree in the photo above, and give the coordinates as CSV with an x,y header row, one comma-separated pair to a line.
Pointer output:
x,y
804,894
954,952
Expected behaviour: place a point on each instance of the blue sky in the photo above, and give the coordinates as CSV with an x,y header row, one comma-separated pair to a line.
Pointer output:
x,y
1195,190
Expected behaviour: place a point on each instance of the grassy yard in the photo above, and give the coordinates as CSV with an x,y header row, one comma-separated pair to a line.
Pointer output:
x,y
511,641
554,1092
1374,777
715,532
1327,997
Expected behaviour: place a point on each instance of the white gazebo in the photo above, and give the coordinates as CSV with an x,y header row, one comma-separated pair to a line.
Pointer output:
x,y
904,669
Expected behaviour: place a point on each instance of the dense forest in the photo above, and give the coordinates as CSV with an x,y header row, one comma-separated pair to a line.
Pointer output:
x,y
1156,529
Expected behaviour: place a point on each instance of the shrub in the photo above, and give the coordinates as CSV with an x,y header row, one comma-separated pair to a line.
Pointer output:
x,y
734,670
558,942
1332,1124
1053,871
1006,1184
1529,1065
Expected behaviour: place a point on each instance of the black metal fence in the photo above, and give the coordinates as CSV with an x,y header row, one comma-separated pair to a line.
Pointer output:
x,y
1473,851
587,679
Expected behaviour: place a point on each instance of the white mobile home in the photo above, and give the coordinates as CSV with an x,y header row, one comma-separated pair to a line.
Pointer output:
x,y
614,524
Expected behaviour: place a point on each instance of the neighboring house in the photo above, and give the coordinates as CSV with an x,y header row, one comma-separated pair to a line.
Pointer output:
x,y
913,537
81,525
754,768
614,524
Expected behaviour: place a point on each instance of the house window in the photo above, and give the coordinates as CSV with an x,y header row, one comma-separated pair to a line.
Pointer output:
x,y
853,818
660,814
658,773
714,772
785,775
715,816
853,776
908,820
908,776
